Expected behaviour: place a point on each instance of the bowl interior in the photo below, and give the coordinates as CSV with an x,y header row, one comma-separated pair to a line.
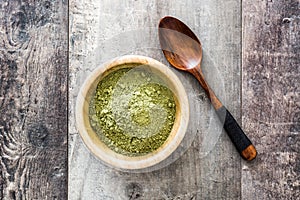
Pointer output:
x,y
103,152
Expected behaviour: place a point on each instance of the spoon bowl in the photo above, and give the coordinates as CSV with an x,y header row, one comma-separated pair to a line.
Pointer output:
x,y
179,44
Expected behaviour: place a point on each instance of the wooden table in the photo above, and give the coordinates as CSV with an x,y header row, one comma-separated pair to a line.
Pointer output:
x,y
251,59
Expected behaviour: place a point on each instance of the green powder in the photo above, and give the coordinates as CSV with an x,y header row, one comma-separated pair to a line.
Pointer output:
x,y
133,111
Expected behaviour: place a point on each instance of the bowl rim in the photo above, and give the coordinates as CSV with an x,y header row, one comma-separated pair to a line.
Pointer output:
x,y
146,161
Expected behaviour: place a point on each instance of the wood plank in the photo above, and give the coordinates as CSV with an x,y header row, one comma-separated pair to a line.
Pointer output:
x,y
102,30
33,99
271,74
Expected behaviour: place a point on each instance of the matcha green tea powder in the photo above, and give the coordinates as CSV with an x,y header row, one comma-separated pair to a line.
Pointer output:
x,y
133,110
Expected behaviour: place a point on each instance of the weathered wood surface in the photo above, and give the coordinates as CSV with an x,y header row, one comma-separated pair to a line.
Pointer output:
x,y
33,99
271,98
102,30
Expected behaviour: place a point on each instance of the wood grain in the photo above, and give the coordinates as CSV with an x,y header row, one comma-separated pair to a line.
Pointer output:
x,y
271,74
102,30
33,99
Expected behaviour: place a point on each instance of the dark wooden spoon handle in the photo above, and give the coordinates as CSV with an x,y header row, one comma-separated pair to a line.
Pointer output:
x,y
234,131
236,134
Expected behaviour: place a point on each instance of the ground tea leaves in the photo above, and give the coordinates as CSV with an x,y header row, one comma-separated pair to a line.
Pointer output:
x,y
133,111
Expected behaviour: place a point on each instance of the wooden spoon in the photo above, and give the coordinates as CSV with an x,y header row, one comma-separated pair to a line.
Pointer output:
x,y
183,50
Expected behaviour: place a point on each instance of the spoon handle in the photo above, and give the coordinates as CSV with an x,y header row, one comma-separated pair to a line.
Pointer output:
x,y
234,131
236,134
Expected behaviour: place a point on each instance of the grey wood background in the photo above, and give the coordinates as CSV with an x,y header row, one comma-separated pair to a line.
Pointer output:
x,y
33,99
271,98
251,56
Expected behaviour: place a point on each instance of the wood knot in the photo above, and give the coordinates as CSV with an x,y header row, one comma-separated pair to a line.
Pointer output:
x,y
19,25
47,4
295,127
286,20
24,17
58,173
134,191
37,135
